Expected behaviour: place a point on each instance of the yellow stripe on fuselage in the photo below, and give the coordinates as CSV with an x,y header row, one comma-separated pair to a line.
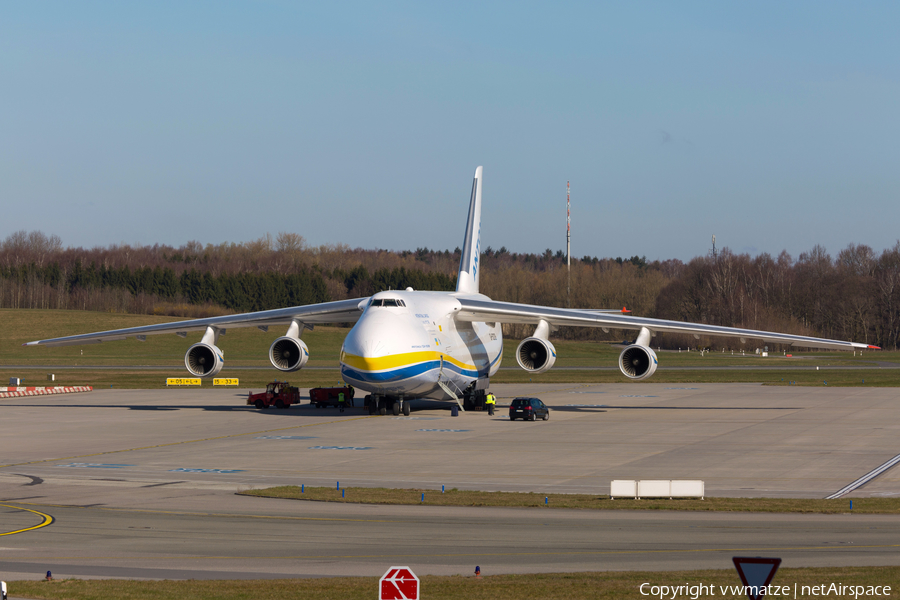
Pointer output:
x,y
394,361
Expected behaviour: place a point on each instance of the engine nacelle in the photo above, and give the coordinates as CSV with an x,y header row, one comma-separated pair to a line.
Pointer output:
x,y
535,355
638,362
204,360
288,354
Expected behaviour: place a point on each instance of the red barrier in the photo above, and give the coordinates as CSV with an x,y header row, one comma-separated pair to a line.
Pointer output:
x,y
14,392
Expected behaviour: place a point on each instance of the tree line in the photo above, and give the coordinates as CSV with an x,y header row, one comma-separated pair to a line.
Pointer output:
x,y
854,296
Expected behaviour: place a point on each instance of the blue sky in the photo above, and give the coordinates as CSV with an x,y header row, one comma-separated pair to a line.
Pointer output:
x,y
771,125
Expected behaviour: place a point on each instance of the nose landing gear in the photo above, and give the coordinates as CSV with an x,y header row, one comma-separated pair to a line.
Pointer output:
x,y
382,404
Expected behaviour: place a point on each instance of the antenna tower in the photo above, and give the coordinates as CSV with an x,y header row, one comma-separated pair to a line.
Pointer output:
x,y
568,249
715,254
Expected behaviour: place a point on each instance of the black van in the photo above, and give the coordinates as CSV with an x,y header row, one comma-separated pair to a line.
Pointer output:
x,y
528,409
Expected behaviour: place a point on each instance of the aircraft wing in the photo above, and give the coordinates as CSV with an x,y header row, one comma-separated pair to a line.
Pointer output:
x,y
508,312
341,311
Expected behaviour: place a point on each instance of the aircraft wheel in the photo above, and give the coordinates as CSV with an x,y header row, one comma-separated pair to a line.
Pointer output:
x,y
259,404
382,411
395,408
406,409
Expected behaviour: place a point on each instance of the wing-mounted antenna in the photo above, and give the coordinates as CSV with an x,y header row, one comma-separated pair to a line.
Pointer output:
x,y
467,280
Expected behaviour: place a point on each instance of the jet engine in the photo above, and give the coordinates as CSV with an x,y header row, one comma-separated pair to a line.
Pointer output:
x,y
535,355
288,354
637,362
204,360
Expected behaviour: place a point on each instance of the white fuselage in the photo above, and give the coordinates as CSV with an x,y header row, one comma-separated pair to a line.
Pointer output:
x,y
405,342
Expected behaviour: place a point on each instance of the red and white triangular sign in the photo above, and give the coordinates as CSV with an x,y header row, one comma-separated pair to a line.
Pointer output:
x,y
756,573
399,583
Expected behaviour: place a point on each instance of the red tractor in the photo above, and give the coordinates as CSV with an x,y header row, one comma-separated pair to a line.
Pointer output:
x,y
279,394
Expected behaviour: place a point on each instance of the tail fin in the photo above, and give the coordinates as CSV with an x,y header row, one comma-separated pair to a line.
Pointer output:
x,y
467,279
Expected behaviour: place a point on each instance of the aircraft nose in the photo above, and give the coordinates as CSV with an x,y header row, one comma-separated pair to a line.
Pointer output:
x,y
381,334
371,337
378,345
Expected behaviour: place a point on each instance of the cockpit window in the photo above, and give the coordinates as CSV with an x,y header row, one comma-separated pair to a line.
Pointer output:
x,y
387,302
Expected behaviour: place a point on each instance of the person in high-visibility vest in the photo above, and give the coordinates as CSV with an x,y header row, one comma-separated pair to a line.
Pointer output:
x,y
491,401
341,401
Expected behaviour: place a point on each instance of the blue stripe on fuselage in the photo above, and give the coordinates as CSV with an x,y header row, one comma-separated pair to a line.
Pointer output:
x,y
407,372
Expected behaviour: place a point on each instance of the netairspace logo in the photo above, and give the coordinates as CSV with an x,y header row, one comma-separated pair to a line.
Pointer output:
x,y
825,590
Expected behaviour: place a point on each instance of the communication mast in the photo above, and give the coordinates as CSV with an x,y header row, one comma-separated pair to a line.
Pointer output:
x,y
715,254
568,249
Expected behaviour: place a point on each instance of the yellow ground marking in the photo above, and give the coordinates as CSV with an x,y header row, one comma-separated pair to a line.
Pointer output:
x,y
205,514
209,439
47,520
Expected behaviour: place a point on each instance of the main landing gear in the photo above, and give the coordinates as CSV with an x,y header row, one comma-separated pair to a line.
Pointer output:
x,y
382,404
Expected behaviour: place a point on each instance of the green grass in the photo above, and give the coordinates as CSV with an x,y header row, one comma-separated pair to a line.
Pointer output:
x,y
243,346
552,586
586,354
248,347
455,497
835,378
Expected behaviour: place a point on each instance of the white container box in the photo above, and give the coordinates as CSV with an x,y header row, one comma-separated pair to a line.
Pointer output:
x,y
622,488
654,488
687,488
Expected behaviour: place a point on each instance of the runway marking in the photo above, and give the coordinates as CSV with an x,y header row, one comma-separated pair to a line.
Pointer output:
x,y
94,466
168,444
188,470
197,514
475,554
161,484
606,552
47,520
445,430
865,478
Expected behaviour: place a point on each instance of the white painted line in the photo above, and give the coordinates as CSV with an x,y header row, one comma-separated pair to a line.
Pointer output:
x,y
865,478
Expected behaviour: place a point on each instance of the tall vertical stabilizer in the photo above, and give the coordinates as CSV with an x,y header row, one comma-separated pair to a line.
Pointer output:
x,y
467,280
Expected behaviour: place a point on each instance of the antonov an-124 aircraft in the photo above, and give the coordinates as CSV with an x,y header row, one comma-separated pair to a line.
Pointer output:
x,y
437,345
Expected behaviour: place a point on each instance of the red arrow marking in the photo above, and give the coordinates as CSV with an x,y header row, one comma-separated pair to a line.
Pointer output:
x,y
399,583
